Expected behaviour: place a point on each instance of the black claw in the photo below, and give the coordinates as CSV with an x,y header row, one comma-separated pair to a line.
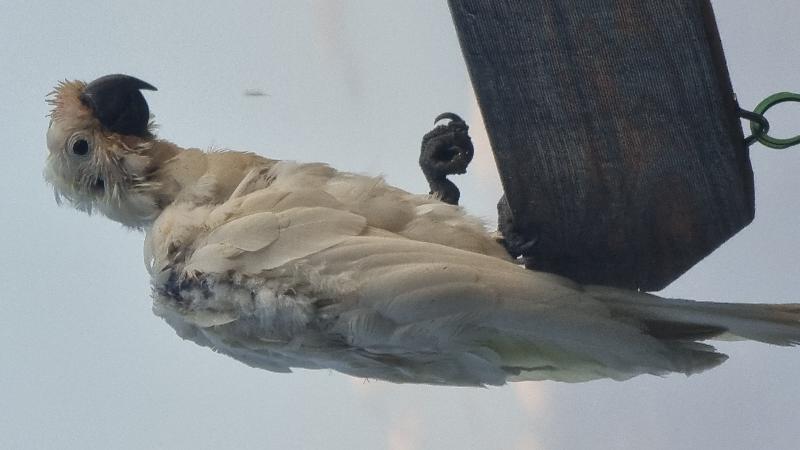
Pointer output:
x,y
446,150
448,115
516,244
118,103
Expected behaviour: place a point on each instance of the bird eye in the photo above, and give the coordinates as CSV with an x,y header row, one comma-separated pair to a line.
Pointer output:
x,y
80,147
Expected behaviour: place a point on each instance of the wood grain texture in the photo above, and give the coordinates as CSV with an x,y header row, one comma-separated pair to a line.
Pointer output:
x,y
614,127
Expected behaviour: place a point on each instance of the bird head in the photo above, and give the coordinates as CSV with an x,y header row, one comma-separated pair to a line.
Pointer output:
x,y
101,148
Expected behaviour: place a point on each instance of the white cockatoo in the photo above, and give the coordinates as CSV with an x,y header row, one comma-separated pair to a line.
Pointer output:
x,y
281,264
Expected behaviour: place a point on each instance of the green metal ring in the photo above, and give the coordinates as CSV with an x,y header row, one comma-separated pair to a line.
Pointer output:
x,y
762,107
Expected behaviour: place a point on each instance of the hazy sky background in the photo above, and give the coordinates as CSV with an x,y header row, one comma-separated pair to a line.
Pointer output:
x,y
86,365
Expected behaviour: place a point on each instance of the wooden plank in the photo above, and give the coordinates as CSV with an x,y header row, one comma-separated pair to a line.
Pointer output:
x,y
615,130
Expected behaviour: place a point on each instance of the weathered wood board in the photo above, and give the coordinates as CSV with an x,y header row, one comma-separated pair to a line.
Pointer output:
x,y
615,130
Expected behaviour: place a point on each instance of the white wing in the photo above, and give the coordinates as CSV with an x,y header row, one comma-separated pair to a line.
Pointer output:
x,y
256,243
283,279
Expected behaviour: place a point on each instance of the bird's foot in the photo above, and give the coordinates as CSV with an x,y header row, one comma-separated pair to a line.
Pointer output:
x,y
446,150
517,244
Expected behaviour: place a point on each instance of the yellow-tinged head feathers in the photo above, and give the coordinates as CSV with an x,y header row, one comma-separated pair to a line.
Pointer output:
x,y
66,103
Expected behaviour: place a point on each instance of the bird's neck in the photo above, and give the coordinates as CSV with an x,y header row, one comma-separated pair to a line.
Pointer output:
x,y
194,176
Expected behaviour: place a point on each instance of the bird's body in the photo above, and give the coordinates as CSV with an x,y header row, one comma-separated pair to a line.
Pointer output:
x,y
281,265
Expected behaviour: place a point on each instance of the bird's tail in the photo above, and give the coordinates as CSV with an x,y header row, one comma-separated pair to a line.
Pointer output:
x,y
679,326
687,320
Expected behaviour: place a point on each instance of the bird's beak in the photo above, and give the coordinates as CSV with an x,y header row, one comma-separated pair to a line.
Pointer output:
x,y
117,102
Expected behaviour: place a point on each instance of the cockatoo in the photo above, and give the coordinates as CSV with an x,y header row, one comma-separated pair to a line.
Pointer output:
x,y
280,264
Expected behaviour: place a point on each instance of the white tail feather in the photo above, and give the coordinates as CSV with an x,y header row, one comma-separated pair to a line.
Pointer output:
x,y
769,323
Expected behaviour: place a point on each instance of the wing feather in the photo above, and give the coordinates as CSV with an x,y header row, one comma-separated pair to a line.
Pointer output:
x,y
262,241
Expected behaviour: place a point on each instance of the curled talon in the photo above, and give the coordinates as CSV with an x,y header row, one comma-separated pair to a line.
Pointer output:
x,y
517,245
448,115
446,150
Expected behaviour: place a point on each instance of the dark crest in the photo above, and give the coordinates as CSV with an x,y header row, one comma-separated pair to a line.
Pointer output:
x,y
118,104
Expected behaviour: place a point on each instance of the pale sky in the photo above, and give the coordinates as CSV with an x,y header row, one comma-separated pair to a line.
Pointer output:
x,y
86,365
